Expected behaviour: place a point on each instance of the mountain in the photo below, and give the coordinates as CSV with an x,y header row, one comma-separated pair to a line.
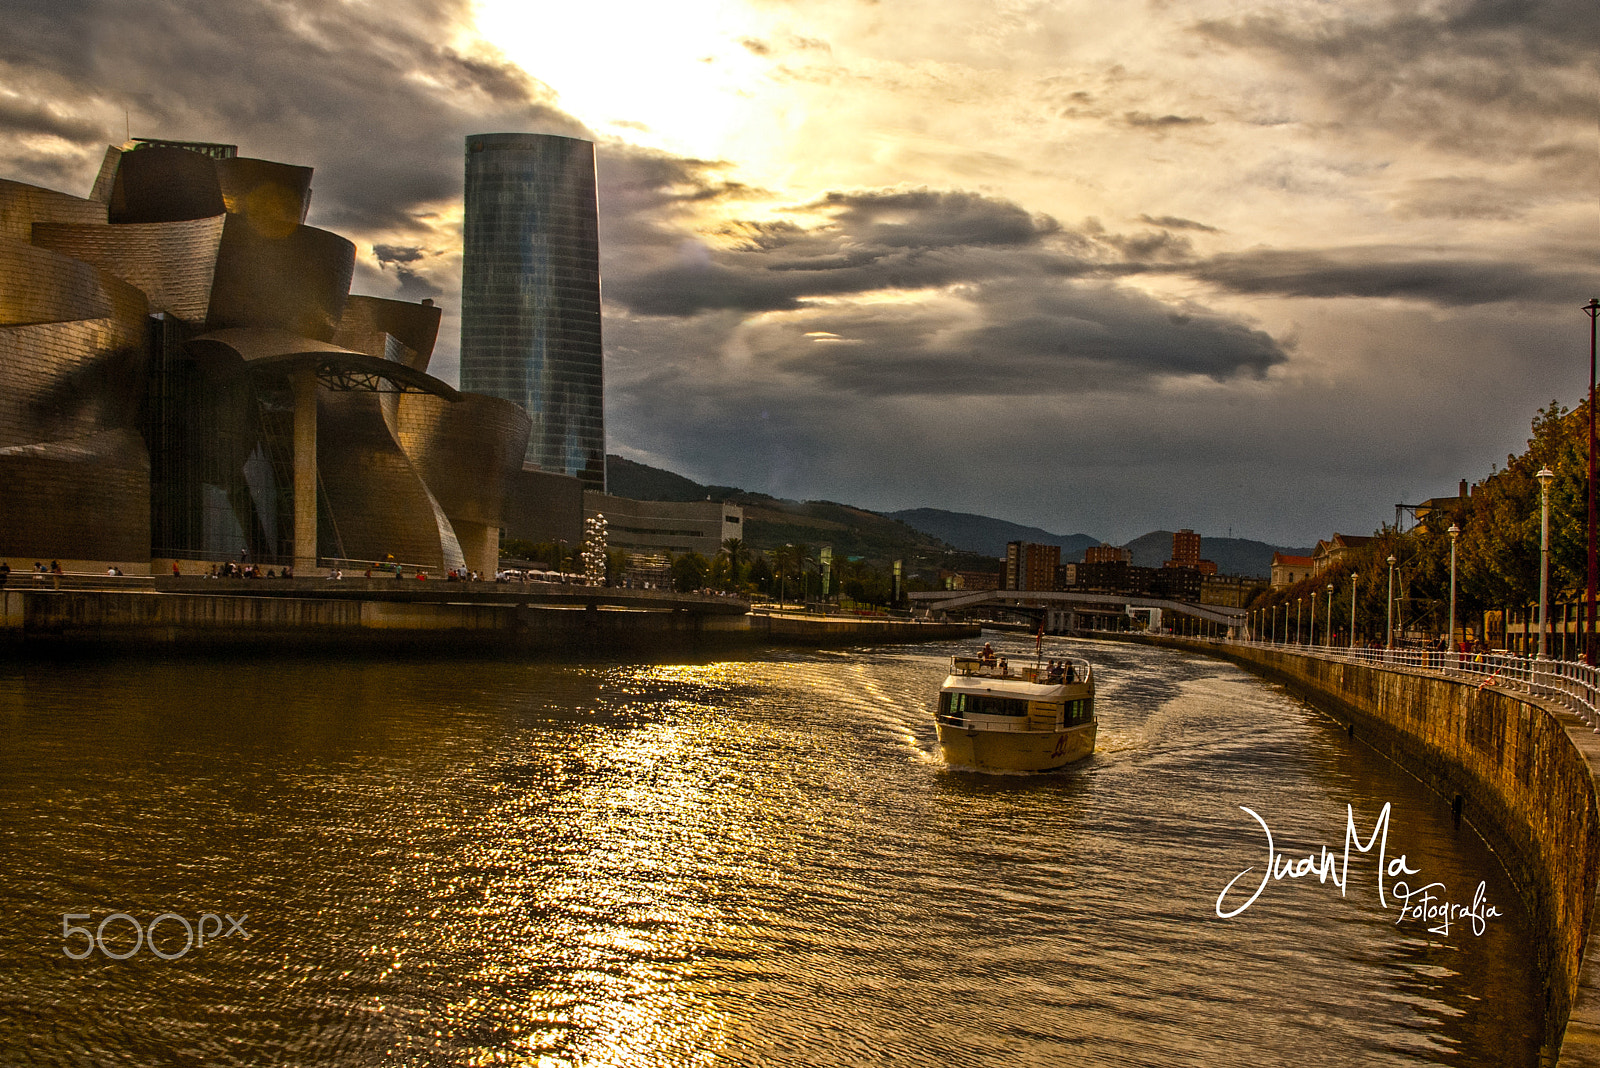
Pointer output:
x,y
916,533
980,534
1233,556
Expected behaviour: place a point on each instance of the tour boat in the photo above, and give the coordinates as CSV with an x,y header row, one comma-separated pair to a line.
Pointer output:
x,y
994,717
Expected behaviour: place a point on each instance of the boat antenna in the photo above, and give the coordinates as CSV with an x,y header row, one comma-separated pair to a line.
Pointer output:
x,y
1038,648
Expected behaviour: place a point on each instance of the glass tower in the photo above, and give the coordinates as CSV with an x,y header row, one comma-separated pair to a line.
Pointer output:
x,y
530,293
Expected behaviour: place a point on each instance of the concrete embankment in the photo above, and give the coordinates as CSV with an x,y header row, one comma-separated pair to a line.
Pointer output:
x,y
1521,770
348,618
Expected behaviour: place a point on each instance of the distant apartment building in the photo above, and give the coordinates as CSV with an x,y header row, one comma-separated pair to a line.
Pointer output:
x,y
1228,591
1174,583
1186,553
970,580
677,527
1287,570
1031,566
1107,554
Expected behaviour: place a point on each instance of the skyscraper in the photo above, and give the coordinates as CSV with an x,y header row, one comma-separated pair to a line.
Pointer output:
x,y
530,293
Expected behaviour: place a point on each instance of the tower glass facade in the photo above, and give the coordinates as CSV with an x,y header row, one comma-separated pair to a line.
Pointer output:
x,y
530,293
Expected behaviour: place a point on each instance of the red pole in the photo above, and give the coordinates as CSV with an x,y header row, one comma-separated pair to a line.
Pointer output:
x,y
1593,309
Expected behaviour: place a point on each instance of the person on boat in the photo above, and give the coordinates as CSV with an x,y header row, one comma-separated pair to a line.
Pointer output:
x,y
987,656
1005,668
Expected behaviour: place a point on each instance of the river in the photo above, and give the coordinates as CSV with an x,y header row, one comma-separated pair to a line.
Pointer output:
x,y
758,861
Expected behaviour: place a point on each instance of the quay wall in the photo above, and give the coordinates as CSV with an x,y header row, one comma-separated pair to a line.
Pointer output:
x,y
1520,769
41,619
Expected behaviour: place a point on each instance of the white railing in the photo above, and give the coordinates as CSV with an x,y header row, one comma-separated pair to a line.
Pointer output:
x,y
1569,683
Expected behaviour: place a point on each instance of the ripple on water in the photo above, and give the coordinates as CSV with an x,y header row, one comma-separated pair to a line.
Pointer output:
x,y
735,862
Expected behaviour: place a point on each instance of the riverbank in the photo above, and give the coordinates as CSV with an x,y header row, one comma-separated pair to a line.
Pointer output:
x,y
372,616
1521,770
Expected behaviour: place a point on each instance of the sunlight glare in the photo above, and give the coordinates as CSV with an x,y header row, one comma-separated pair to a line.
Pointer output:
x,y
669,76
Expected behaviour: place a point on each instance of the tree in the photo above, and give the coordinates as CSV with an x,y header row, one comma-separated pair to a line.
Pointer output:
x,y
736,553
689,572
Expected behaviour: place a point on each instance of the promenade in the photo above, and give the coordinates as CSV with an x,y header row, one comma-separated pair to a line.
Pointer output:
x,y
384,615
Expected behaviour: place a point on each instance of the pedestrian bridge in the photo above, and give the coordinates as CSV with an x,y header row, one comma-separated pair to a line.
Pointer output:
x,y
1059,609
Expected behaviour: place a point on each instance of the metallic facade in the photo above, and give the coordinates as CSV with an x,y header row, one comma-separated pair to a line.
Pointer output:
x,y
184,375
530,293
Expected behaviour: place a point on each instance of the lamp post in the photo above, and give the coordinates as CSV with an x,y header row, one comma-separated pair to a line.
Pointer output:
x,y
1592,309
1455,532
1299,602
1352,609
1545,477
1312,631
1327,631
1388,633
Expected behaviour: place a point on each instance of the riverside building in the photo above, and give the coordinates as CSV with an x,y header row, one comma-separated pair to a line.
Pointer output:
x,y
530,294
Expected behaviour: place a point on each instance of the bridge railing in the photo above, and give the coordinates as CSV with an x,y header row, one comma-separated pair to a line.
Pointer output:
x,y
1569,683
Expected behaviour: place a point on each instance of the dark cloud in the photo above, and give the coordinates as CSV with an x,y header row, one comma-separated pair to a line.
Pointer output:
x,y
374,97
394,254
1143,120
1482,78
1389,273
1173,222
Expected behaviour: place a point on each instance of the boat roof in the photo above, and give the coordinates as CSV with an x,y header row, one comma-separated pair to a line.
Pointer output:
x,y
1012,686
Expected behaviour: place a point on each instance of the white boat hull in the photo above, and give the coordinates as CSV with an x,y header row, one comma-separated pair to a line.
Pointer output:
x,y
1012,750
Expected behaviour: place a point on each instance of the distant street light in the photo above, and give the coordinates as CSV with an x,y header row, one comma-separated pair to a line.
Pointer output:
x,y
1311,631
1592,309
1298,603
1388,634
1352,609
1455,532
1545,477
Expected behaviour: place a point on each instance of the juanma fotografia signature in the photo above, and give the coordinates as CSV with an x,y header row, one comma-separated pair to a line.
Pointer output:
x,y
1426,902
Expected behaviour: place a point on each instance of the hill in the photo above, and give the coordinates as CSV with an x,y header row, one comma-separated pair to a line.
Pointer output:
x,y
927,536
980,534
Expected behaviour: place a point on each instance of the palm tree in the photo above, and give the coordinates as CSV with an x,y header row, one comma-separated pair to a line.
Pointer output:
x,y
736,552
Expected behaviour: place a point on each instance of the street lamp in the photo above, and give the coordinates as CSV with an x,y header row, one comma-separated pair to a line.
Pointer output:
x,y
1312,631
1455,532
1388,634
1327,632
1298,603
1352,609
1545,477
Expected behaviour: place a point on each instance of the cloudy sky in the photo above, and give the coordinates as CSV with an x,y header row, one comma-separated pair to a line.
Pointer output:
x,y
1259,267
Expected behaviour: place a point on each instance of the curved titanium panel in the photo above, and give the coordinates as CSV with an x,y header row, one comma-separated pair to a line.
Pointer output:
x,y
171,262
85,498
23,205
377,501
367,319
275,197
164,185
297,283
478,433
106,180
72,347
279,351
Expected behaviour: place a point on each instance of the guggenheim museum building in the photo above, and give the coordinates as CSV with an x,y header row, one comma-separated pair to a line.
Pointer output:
x,y
186,377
